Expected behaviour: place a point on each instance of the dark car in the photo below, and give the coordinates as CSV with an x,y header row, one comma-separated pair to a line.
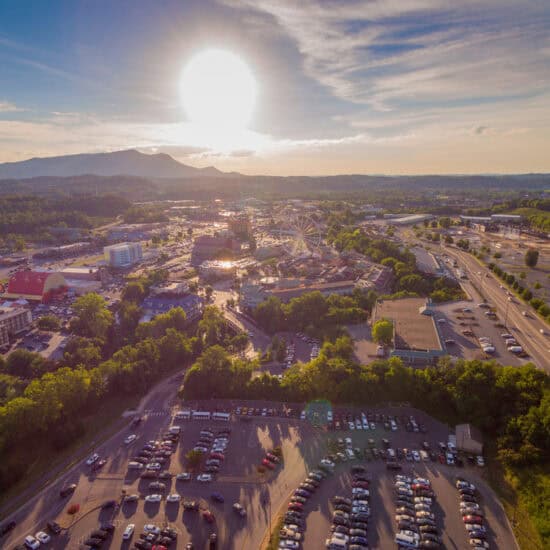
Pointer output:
x,y
99,534
170,533
93,542
68,490
143,545
53,527
7,527
218,497
191,505
108,504
109,527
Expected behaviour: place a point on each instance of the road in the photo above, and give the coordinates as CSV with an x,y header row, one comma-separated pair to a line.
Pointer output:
x,y
527,329
46,503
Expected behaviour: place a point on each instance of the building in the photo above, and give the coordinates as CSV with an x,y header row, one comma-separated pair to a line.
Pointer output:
x,y
376,277
81,273
412,219
469,439
123,254
162,303
43,286
208,247
211,270
12,322
240,226
252,294
416,338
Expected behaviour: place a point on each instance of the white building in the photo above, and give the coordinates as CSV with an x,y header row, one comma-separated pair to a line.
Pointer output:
x,y
123,254
12,322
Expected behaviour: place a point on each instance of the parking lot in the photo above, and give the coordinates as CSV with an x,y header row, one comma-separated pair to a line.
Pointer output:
x,y
264,492
457,321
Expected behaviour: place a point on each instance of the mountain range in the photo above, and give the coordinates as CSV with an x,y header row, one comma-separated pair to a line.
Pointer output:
x,y
118,163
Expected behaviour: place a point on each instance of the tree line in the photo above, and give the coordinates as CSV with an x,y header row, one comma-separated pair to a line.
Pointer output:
x,y
510,404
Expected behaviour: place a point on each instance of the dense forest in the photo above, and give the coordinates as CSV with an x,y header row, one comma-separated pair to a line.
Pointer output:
x,y
32,216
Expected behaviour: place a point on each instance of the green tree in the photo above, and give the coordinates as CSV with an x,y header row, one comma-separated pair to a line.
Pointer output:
x,y
134,292
445,222
92,317
49,322
382,331
531,257
193,459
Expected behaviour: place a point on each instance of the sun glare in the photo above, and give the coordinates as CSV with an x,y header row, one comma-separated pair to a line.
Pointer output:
x,y
218,91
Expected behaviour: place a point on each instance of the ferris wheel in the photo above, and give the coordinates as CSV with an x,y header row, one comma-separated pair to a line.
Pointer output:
x,y
299,233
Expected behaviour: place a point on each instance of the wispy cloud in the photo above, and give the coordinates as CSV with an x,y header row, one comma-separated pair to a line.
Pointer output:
x,y
419,58
9,107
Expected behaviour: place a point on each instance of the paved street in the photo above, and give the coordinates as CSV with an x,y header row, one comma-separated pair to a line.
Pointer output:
x,y
527,329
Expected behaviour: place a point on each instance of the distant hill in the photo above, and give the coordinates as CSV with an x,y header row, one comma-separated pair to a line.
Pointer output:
x,y
118,163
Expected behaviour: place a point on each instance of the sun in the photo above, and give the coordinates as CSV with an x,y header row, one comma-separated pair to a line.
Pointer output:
x,y
218,90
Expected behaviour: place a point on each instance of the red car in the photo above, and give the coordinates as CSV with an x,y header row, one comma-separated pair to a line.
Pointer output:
x,y
295,506
441,459
473,519
219,456
268,464
208,516
361,484
420,487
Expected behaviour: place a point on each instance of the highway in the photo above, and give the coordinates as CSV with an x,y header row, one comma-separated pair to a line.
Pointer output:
x,y
525,329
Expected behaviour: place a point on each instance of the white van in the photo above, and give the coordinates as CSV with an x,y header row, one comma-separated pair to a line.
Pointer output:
x,y
135,466
183,415
174,429
424,456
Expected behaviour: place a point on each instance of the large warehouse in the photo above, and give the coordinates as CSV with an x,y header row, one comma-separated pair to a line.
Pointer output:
x,y
43,286
416,337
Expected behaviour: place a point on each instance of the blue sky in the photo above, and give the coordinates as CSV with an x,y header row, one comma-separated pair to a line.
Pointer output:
x,y
409,86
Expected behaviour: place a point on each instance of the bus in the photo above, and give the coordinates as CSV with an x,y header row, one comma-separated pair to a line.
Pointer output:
x,y
201,415
225,417
183,415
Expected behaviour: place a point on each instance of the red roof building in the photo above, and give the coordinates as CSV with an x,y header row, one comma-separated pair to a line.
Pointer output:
x,y
36,285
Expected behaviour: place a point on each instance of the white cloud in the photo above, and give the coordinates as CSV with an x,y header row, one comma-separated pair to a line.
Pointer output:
x,y
8,107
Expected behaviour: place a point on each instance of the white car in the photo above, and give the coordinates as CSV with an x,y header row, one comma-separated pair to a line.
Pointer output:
x,y
289,544
31,542
174,497
204,478
184,476
130,439
153,498
129,531
154,466
480,461
93,458
44,538
151,528
416,456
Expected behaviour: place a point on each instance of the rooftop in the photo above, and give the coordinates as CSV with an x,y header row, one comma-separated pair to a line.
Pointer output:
x,y
413,330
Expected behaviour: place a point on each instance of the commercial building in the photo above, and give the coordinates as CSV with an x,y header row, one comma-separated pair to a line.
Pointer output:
x,y
376,277
162,303
211,270
123,254
240,226
81,273
43,286
285,290
12,322
416,338
208,247
409,220
469,439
